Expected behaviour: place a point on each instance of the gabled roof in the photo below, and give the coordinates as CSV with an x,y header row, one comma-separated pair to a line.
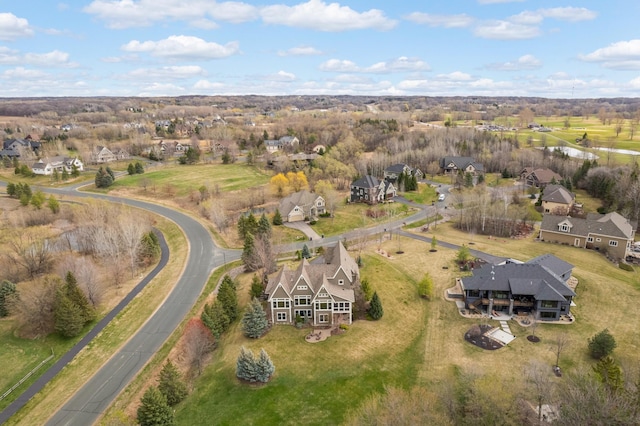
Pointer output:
x,y
552,263
545,175
610,224
367,181
336,257
460,163
557,194
397,168
520,279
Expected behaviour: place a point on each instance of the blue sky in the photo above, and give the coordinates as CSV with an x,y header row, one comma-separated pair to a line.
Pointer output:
x,y
554,49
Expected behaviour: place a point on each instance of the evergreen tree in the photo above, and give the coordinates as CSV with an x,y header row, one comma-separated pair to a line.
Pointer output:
x,y
139,168
602,344
215,318
7,294
110,172
246,365
150,248
170,384
609,373
251,224
375,307
56,175
154,410
248,254
53,204
254,321
103,178
242,227
257,288
305,252
65,174
78,297
37,200
277,218
264,367
264,227
75,172
11,190
131,169
69,319
228,298
366,289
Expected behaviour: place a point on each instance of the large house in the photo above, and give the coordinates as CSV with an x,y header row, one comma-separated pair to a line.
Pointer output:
x,y
538,286
610,233
539,177
301,205
15,148
558,200
392,173
273,145
320,292
102,154
48,166
453,165
369,189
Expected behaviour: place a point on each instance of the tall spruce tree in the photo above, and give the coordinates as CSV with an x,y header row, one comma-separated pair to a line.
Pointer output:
x,y
264,227
254,321
69,319
170,384
228,298
264,367
215,318
257,288
277,218
246,365
248,257
78,297
154,410
375,307
305,252
7,294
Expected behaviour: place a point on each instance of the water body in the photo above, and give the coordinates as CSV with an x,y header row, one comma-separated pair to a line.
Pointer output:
x,y
575,153
619,151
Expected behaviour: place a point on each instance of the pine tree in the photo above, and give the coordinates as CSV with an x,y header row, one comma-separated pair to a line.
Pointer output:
x,y
7,294
170,384
251,224
131,169
264,367
305,252
65,174
228,298
215,318
254,321
257,288
248,254
602,344
139,168
277,218
110,172
154,410
375,308
150,248
609,373
264,227
246,365
69,319
78,297
242,227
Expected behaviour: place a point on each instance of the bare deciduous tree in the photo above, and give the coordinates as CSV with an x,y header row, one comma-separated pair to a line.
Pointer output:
x,y
197,342
35,306
87,276
30,250
539,376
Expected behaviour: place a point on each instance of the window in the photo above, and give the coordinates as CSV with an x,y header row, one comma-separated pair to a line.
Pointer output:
x,y
590,239
281,316
302,300
323,305
598,240
473,293
564,228
340,282
302,287
549,304
548,315
280,303
613,243
323,318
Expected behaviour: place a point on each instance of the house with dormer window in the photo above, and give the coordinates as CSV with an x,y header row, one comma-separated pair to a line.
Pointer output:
x,y
611,233
301,205
320,292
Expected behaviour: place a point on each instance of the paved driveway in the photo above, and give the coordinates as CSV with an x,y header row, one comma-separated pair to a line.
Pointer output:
x,y
304,228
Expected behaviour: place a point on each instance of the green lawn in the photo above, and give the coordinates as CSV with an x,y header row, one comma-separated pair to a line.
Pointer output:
x,y
184,179
348,217
424,195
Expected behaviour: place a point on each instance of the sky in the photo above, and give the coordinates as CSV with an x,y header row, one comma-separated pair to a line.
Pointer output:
x,y
552,49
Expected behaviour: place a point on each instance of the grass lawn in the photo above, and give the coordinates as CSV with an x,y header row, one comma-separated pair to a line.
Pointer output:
x,y
348,217
39,408
424,195
416,343
184,179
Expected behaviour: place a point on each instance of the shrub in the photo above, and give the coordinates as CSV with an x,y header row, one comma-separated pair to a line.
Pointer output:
x,y
625,267
602,344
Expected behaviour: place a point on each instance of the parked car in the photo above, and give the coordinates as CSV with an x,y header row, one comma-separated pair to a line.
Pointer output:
x,y
441,197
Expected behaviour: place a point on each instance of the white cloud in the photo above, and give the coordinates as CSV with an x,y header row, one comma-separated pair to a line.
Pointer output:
x,y
446,21
527,17
51,59
208,85
167,73
401,64
454,76
623,55
183,47
12,27
571,14
525,62
161,89
132,13
280,76
21,73
320,16
505,30
300,51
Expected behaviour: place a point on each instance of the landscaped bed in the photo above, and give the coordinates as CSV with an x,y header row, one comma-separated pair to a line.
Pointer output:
x,y
479,335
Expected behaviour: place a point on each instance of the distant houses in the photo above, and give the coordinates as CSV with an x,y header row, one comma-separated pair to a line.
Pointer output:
x,y
18,148
49,166
102,154
273,145
453,165
393,172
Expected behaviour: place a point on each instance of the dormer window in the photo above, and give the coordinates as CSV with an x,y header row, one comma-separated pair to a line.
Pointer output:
x,y
564,227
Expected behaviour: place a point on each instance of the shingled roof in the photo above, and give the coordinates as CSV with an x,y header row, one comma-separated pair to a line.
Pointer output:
x,y
558,194
611,224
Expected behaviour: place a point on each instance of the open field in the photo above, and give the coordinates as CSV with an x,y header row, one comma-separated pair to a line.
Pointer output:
x,y
424,195
416,343
112,337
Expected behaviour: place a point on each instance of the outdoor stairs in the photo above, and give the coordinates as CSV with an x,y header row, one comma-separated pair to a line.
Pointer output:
x,y
505,326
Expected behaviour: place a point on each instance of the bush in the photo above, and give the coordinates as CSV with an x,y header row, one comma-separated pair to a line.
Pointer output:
x,y
602,344
625,267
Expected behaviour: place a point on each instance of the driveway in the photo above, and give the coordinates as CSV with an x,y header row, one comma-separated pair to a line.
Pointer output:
x,y
304,228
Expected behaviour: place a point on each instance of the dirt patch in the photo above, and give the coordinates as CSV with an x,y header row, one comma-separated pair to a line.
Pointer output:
x,y
478,335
